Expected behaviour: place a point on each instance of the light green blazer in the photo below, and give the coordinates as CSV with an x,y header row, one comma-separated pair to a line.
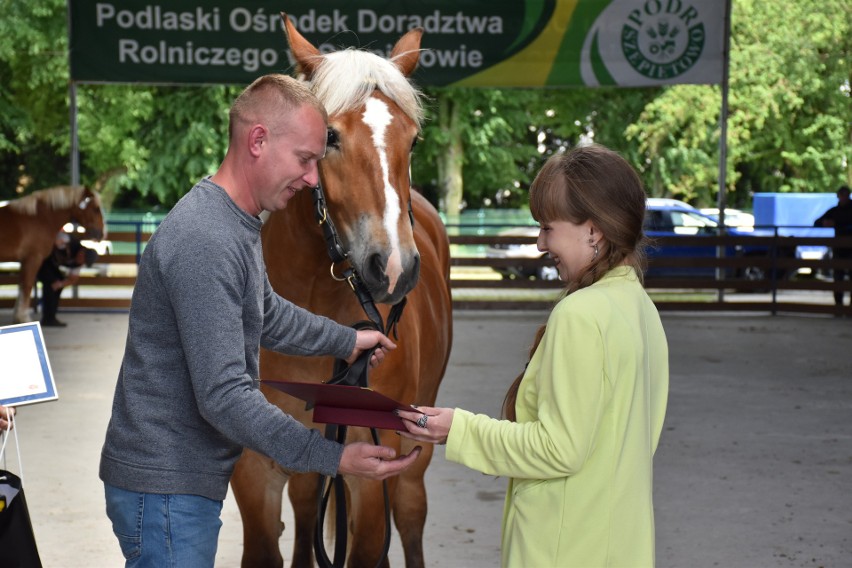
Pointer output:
x,y
590,411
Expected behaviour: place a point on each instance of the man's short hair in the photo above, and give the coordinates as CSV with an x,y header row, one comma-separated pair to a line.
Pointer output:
x,y
843,189
271,98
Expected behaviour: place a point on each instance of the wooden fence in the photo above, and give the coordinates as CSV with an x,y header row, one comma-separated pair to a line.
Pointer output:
x,y
727,291
781,289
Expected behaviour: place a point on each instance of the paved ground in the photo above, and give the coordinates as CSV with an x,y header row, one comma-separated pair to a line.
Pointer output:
x,y
753,470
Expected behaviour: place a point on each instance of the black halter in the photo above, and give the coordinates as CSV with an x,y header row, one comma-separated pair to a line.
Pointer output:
x,y
338,255
351,375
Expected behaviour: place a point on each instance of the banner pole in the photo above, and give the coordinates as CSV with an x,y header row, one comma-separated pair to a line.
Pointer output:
x,y
75,147
72,107
723,141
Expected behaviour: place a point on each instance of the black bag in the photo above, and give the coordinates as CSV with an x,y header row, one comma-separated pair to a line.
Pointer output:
x,y
17,542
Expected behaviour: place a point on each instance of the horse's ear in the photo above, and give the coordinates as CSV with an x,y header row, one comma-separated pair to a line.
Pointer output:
x,y
406,52
306,55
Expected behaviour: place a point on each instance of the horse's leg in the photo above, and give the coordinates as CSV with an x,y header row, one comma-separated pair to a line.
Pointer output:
x,y
409,505
303,497
26,281
367,521
258,486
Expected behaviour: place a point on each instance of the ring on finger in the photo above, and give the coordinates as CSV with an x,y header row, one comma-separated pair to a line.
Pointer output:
x,y
421,422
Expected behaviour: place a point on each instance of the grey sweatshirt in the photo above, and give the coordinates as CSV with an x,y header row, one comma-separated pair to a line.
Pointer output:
x,y
187,398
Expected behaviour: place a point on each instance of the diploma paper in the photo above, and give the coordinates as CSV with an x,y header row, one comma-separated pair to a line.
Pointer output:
x,y
25,375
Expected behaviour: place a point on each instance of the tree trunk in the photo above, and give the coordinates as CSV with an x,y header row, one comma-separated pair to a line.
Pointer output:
x,y
450,164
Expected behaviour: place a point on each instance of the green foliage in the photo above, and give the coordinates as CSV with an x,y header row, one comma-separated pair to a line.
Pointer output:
x,y
33,92
159,141
138,144
678,136
790,113
789,125
492,125
507,134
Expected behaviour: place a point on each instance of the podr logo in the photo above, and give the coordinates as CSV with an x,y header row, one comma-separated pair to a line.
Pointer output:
x,y
663,39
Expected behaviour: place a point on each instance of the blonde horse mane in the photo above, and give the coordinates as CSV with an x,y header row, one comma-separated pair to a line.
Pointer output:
x,y
61,197
343,80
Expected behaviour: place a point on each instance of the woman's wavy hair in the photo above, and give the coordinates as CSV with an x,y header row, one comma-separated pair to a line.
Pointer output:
x,y
590,183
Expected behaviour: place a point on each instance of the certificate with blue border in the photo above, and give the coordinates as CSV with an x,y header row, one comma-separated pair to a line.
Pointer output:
x,y
25,375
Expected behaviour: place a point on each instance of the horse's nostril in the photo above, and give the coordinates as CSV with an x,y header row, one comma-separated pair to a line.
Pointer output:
x,y
415,268
376,266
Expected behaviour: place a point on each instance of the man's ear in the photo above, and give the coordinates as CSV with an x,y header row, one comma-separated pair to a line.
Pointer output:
x,y
257,137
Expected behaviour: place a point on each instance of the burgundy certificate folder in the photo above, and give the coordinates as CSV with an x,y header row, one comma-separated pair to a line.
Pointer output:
x,y
346,405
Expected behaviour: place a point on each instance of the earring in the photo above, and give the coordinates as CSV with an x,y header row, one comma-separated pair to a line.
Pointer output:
x,y
596,252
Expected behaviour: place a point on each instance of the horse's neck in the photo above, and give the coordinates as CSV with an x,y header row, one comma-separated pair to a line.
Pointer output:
x,y
53,217
294,245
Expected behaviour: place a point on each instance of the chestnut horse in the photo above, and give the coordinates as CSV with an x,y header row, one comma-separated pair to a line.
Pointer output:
x,y
28,229
374,120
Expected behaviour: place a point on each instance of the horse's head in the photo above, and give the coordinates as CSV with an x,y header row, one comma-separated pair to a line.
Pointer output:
x,y
87,213
374,119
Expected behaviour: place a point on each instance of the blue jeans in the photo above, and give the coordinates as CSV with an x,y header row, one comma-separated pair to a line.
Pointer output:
x,y
162,531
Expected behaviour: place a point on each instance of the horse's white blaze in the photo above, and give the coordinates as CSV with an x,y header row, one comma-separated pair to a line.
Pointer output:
x,y
377,117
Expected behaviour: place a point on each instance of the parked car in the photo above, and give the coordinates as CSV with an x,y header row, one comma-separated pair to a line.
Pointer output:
x,y
667,221
668,202
664,218
733,217
544,271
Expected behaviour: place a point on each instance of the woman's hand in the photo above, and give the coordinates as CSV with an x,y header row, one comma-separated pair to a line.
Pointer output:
x,y
427,424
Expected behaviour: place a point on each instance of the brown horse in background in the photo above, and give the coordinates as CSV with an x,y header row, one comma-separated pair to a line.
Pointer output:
x,y
374,120
28,229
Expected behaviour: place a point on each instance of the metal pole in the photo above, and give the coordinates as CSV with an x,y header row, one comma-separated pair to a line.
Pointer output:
x,y
72,109
723,141
75,148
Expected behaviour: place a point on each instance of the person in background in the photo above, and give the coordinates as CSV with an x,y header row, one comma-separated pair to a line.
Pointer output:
x,y
60,270
583,421
187,399
840,217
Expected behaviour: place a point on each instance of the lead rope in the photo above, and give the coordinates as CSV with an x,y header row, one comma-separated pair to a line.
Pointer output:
x,y
356,374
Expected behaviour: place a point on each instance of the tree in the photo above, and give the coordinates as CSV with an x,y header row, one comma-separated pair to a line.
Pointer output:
x,y
790,124
790,113
137,143
154,142
482,147
33,92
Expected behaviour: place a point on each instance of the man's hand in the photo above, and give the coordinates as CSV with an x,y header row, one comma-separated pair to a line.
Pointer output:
x,y
367,339
374,462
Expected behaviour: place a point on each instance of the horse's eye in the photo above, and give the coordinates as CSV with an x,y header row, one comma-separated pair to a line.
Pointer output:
x,y
414,143
332,140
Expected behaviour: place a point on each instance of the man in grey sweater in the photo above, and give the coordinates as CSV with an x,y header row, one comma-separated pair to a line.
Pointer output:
x,y
187,399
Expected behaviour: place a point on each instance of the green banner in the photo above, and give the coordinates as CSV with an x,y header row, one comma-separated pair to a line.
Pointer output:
x,y
532,43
